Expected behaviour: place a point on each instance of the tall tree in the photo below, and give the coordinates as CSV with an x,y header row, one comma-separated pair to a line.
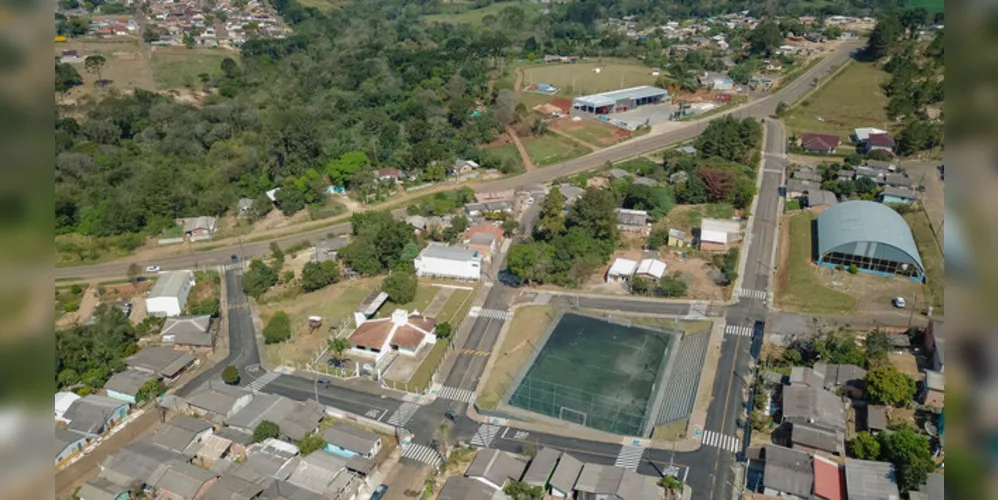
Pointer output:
x,y
596,213
94,64
911,454
886,385
400,287
884,36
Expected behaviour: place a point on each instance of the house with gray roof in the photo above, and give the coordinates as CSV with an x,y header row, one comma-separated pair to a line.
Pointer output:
x,y
348,441
181,481
184,434
67,443
303,420
795,188
819,199
934,489
813,406
136,463
811,439
125,385
563,480
617,173
418,222
849,377
603,481
102,488
92,414
687,150
188,331
464,488
324,473
810,377
329,248
268,460
219,401
570,192
199,226
876,418
283,490
263,407
245,207
169,295
631,220
161,361
541,467
495,468
787,473
230,487
869,480
646,181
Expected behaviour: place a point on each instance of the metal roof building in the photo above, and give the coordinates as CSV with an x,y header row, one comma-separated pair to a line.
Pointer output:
x,y
620,100
871,236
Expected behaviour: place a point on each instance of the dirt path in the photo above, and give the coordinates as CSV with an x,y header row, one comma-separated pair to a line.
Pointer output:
x,y
438,302
528,165
88,302
575,139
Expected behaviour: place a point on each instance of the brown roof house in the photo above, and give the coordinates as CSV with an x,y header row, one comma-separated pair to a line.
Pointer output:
x,y
819,143
402,332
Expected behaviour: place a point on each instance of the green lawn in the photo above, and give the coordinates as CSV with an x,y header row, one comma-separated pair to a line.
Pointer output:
x,y
550,149
797,286
614,74
793,205
424,295
597,134
852,99
323,5
456,13
530,99
639,165
687,217
932,6
420,379
456,308
174,69
506,153
935,283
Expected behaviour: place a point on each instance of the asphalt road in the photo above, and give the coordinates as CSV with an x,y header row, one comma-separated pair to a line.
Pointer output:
x,y
376,406
636,147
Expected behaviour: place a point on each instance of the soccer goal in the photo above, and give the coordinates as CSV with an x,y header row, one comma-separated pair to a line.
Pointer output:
x,y
569,415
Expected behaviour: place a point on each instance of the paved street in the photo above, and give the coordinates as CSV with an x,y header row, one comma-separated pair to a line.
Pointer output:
x,y
629,149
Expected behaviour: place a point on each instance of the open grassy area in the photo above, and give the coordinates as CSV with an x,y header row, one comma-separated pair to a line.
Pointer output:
x,y
530,99
673,431
507,151
523,335
932,6
581,79
595,133
852,99
420,379
424,295
458,13
687,217
177,68
637,165
550,149
797,286
932,259
322,5
456,308
334,303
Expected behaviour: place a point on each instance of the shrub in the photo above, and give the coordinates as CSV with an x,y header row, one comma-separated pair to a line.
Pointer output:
x,y
266,429
278,329
840,267
230,375
400,287
864,447
853,269
444,330
309,443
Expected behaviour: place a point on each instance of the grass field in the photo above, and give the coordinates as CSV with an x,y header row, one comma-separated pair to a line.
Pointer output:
x,y
456,13
424,295
932,6
639,165
177,68
852,99
322,5
530,99
420,379
507,151
614,74
687,217
797,286
595,133
334,303
456,308
550,149
529,324
932,259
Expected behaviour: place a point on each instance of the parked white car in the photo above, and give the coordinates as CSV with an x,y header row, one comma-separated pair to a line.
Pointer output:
x,y
152,269
898,302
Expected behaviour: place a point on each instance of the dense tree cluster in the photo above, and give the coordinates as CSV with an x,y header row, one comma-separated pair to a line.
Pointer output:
x,y
90,354
380,243
902,445
318,275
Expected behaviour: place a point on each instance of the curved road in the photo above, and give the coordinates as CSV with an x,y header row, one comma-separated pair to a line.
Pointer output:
x,y
636,147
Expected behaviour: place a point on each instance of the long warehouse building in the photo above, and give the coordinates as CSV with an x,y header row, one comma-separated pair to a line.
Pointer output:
x,y
618,101
871,236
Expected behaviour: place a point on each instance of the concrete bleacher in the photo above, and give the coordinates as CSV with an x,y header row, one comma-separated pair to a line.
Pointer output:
x,y
681,389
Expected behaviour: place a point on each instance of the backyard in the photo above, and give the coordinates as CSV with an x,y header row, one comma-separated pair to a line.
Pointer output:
x,y
581,78
549,149
522,337
852,99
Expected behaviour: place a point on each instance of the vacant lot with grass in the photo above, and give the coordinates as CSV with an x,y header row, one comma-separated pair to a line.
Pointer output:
x,y
522,338
177,67
591,132
852,99
424,295
124,67
323,5
461,13
456,308
797,286
549,149
507,152
581,78
932,259
687,217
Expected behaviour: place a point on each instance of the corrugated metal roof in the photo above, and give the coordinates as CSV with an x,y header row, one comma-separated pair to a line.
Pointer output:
x,y
609,98
867,229
170,283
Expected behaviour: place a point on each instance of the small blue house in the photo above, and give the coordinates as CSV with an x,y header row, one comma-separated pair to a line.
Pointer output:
x,y
349,441
896,195
126,385
91,415
67,443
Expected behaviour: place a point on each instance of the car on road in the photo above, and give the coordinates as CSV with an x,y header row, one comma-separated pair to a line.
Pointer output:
x,y
323,381
898,302
152,269
530,201
234,258
379,492
451,415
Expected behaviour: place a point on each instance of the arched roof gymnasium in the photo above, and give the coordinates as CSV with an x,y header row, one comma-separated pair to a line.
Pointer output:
x,y
867,229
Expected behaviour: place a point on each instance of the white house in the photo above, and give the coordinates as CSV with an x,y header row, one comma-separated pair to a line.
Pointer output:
x,y
169,296
453,262
621,270
651,269
718,234
403,332
861,135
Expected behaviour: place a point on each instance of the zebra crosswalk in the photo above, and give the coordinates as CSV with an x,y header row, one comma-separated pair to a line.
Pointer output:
x,y
722,441
403,414
490,313
484,435
752,294
262,381
423,454
629,456
455,394
475,352
744,331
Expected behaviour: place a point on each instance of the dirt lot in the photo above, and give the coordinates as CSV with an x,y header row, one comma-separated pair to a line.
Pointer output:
x,y
590,132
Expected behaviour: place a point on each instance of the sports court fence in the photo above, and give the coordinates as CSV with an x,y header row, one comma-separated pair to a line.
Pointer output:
x,y
579,406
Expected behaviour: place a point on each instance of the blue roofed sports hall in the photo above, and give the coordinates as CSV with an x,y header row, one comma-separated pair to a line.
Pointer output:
x,y
871,236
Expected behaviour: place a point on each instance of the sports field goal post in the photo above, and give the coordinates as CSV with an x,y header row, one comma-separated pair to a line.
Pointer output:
x,y
582,416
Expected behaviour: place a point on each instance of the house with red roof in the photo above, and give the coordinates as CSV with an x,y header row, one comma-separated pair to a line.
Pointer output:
x,y
402,332
880,142
829,479
819,143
